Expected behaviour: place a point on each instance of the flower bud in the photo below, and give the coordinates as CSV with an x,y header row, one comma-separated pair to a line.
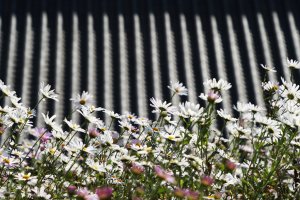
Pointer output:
x,y
207,180
104,192
71,189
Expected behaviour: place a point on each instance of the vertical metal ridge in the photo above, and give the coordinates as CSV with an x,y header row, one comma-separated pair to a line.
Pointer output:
x,y
201,41
187,57
252,62
27,68
11,64
0,38
92,77
218,47
12,48
293,29
280,40
140,68
28,56
43,64
236,61
108,78
60,68
75,60
156,76
265,43
170,46
124,71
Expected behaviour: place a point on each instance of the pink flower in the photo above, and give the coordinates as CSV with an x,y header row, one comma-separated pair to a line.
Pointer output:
x,y
167,176
104,192
207,180
43,134
137,169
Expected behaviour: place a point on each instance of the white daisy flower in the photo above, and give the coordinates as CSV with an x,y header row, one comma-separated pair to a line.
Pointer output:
x,y
112,114
6,90
212,97
24,177
85,99
178,88
190,110
74,126
215,85
226,116
95,165
47,93
293,63
270,86
160,106
268,68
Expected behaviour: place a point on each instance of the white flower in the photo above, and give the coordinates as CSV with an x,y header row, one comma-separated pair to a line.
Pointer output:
x,y
74,126
290,91
178,88
160,106
270,86
49,121
24,177
87,114
112,114
268,68
6,90
226,116
40,192
249,107
47,93
212,97
95,165
75,145
215,85
85,99
190,110
106,138
293,63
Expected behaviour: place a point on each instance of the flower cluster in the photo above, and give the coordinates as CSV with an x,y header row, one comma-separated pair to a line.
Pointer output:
x,y
180,155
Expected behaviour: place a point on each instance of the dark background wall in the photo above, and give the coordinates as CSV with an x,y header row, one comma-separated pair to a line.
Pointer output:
x,y
125,52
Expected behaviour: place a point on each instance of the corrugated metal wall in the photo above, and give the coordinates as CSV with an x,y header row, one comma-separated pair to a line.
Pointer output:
x,y
125,52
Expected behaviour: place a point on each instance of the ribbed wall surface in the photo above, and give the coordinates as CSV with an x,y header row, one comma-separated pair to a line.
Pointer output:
x,y
125,52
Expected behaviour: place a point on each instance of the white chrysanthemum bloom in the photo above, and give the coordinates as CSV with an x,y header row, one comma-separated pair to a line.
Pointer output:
x,y
268,68
211,97
230,180
8,161
176,137
49,121
178,88
85,99
106,138
226,116
290,92
249,107
40,192
293,63
88,115
47,93
190,110
24,177
6,90
112,114
75,145
74,126
270,86
265,121
274,133
160,106
95,165
215,85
